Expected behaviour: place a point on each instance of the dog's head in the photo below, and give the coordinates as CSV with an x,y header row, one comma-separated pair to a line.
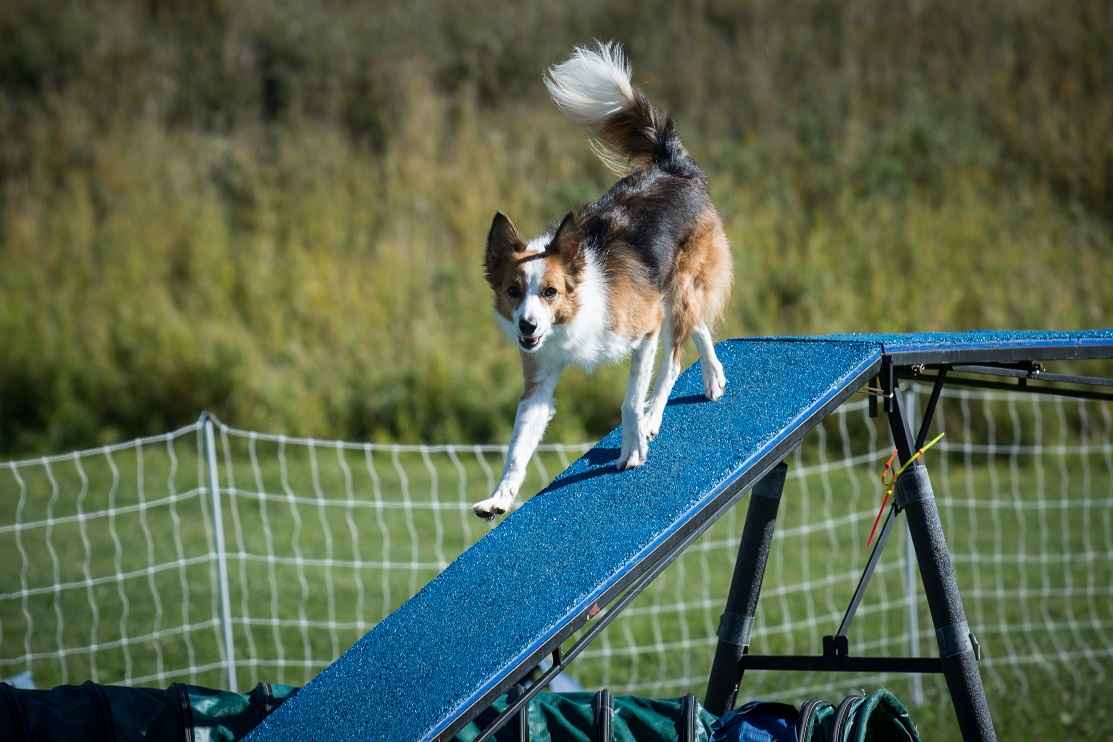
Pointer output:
x,y
534,283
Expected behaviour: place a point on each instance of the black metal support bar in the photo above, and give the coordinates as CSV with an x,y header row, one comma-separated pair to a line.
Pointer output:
x,y
602,706
875,555
736,623
518,699
888,380
929,411
867,573
520,723
842,663
957,646
688,718
1074,379
1028,388
1016,369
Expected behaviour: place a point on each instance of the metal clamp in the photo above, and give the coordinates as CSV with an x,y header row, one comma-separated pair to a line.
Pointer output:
x,y
956,639
913,485
734,628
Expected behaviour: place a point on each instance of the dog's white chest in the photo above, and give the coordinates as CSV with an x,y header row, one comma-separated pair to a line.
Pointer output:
x,y
590,347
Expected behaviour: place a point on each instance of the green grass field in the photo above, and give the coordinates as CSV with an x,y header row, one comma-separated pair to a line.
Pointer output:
x,y
335,544
277,212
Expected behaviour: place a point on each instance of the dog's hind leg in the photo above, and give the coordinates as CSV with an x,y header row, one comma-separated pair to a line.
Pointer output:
x,y
666,378
714,379
635,433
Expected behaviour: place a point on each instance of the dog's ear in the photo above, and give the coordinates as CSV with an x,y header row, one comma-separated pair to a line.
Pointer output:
x,y
502,241
568,241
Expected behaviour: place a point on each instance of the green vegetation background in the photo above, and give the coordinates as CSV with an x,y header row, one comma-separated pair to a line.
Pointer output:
x,y
276,210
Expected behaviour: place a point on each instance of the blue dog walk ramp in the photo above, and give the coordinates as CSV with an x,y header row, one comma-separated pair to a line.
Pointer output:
x,y
553,565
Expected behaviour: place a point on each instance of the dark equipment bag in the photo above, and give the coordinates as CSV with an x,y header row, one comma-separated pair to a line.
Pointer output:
x,y
115,713
189,713
878,717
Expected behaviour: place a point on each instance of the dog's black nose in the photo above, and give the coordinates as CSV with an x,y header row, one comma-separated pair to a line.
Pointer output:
x,y
526,327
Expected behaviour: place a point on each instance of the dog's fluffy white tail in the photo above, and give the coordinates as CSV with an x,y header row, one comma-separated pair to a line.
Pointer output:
x,y
592,84
593,90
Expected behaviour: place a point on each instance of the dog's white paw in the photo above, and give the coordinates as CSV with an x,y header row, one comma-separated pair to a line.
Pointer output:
x,y
630,460
653,419
635,450
496,504
714,380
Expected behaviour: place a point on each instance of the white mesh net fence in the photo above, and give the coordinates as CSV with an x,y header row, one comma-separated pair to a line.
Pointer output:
x,y
114,558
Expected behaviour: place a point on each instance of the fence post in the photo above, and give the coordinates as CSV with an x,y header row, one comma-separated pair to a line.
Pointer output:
x,y
221,556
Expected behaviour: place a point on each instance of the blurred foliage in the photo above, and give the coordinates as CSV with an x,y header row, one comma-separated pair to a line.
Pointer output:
x,y
277,210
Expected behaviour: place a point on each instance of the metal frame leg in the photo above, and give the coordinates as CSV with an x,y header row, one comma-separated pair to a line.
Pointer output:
x,y
737,622
958,650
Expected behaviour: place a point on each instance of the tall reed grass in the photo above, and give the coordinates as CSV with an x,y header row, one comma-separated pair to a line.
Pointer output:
x,y
277,210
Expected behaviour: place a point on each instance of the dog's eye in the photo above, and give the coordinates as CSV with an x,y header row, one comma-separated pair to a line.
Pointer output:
x,y
514,292
549,293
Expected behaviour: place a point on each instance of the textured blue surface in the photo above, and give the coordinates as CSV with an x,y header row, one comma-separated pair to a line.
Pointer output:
x,y
984,340
511,593
554,556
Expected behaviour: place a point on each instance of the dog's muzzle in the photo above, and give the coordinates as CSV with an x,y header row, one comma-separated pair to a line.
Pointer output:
x,y
526,339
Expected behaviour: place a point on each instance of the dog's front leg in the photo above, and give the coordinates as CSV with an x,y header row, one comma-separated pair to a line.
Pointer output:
x,y
535,409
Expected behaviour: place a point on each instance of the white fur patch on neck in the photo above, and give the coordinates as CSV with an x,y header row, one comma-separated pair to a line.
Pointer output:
x,y
587,341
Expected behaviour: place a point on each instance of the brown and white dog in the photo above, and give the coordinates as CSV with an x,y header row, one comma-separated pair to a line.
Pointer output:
x,y
649,258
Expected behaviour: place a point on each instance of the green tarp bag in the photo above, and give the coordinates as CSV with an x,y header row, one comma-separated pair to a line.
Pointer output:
x,y
115,713
579,717
878,717
191,713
